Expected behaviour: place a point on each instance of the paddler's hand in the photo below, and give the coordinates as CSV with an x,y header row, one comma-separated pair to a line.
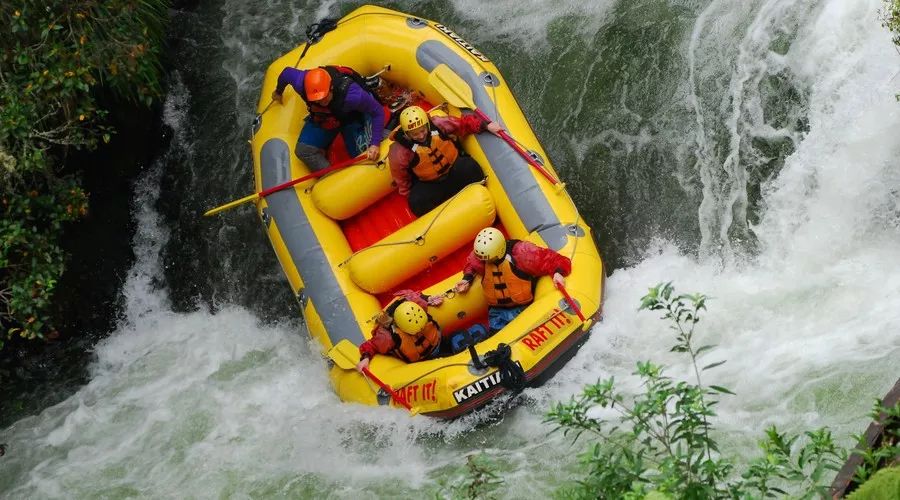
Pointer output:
x,y
435,300
363,364
559,280
383,319
372,152
494,128
462,286
276,96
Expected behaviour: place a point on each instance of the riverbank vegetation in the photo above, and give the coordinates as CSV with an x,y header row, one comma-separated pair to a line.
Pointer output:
x,y
63,66
664,438
892,18
891,21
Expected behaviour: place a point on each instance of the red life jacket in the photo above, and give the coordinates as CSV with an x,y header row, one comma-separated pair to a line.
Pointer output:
x,y
504,284
433,158
334,115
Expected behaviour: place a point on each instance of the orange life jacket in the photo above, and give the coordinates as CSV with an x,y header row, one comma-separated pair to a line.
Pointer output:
x,y
504,284
434,158
420,346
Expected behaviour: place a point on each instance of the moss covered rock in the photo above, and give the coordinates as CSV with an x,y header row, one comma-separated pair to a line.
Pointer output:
x,y
884,485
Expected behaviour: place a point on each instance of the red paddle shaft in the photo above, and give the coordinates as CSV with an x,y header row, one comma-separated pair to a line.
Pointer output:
x,y
396,397
570,301
524,154
332,168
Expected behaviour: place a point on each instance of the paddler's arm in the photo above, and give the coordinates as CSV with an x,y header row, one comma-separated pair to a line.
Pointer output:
x,y
474,266
288,76
361,100
382,342
464,125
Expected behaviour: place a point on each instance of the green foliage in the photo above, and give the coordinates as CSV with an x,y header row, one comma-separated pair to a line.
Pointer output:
x,y
889,447
783,463
661,443
56,56
884,485
479,481
892,18
30,226
891,21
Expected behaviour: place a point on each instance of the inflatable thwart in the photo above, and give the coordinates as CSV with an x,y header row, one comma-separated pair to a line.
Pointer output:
x,y
347,241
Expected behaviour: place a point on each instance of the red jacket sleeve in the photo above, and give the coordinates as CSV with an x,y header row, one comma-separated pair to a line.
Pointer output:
x,y
399,158
539,261
382,342
474,266
460,126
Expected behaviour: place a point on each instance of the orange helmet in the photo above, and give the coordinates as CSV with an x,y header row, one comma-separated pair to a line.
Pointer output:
x,y
317,84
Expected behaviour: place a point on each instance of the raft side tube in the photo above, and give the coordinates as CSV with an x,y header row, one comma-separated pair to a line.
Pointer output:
x,y
413,248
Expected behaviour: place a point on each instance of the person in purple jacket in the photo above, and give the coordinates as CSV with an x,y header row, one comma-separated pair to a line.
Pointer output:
x,y
338,101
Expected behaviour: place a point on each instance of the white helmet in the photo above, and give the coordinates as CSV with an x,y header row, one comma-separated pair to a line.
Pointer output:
x,y
490,244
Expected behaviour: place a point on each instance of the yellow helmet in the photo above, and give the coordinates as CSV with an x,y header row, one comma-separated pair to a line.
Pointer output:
x,y
412,118
490,244
410,317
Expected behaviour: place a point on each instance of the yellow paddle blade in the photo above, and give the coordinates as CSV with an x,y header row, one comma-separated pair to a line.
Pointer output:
x,y
344,354
231,204
451,87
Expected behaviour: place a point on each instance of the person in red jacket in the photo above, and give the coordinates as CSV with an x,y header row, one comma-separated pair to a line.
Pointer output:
x,y
509,271
427,164
404,330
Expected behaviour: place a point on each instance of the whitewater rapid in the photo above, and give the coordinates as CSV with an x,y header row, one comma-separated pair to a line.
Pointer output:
x,y
220,402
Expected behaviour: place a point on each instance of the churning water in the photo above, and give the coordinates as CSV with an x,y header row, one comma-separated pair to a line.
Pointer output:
x,y
748,150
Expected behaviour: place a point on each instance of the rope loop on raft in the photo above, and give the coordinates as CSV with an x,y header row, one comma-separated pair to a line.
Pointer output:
x,y
511,374
315,31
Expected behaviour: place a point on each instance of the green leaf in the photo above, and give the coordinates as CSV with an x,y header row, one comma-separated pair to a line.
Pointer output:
x,y
704,349
721,389
713,365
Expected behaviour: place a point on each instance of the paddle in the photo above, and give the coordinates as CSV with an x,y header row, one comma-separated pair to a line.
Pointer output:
x,y
458,93
262,194
346,355
568,298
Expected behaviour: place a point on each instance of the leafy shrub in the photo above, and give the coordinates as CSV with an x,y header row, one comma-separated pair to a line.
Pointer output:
x,y
892,18
891,21
480,480
56,57
661,443
888,448
30,226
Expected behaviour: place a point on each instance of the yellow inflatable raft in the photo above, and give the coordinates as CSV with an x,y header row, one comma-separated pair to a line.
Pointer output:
x,y
347,241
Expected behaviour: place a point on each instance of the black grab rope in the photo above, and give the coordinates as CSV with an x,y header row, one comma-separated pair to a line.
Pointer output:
x,y
511,374
315,32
